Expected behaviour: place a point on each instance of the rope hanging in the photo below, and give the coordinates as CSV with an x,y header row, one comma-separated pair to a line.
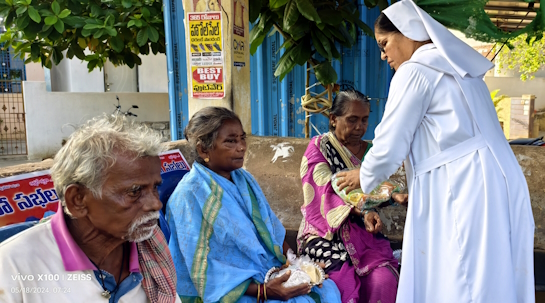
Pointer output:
x,y
316,104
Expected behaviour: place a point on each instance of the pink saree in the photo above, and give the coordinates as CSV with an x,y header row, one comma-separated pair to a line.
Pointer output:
x,y
360,263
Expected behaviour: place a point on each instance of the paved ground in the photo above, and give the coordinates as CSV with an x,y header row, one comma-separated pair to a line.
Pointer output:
x,y
10,161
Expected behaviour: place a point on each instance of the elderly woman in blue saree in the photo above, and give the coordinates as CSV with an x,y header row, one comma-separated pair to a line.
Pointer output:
x,y
225,237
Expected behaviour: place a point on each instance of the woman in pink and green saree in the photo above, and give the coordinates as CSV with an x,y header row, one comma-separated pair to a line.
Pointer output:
x,y
346,238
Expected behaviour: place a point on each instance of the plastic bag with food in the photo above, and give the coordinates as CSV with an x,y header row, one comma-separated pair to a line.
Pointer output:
x,y
381,194
303,271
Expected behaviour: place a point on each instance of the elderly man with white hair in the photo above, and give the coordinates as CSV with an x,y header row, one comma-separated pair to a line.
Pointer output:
x,y
103,244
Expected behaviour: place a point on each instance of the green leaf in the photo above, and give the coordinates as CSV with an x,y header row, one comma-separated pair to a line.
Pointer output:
x,y
82,43
335,53
138,23
59,26
55,7
5,11
257,36
145,13
21,10
56,55
370,3
285,64
142,37
383,4
300,29
50,20
65,12
331,16
35,51
274,4
87,32
126,3
153,34
287,44
22,22
78,51
45,13
325,73
96,10
34,15
349,37
308,11
93,26
70,53
353,32
9,19
255,9
291,14
98,33
117,44
111,31
131,23
316,42
9,2
155,48
325,43
92,64
302,52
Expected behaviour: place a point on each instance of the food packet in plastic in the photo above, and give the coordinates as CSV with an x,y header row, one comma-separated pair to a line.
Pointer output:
x,y
359,199
303,271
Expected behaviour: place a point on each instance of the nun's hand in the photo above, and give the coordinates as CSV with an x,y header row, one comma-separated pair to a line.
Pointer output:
x,y
349,180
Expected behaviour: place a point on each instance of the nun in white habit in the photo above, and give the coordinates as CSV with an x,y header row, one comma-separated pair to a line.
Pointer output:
x,y
469,231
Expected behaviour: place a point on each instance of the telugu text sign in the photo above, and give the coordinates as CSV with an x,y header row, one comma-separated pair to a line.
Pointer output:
x,y
26,197
206,51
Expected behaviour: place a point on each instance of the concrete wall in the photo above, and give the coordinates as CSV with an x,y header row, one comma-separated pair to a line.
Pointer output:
x,y
152,74
50,115
72,75
34,72
514,87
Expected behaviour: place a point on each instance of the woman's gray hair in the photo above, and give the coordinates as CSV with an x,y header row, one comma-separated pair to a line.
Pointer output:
x,y
202,130
341,101
92,149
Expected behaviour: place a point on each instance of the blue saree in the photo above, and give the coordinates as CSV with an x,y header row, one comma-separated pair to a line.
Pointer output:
x,y
224,236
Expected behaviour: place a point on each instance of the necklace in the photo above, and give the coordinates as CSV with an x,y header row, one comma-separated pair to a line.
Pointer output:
x,y
107,293
359,149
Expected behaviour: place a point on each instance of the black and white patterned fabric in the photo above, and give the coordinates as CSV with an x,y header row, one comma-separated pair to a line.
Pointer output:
x,y
332,253
332,155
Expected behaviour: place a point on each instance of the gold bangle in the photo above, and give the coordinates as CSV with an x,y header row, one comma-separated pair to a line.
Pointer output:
x,y
265,291
258,292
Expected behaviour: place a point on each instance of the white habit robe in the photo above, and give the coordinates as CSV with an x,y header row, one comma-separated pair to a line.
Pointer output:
x,y
469,231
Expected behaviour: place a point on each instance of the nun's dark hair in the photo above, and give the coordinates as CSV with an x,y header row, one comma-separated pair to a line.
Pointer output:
x,y
384,25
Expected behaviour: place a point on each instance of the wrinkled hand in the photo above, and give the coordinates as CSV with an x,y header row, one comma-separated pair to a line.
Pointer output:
x,y
402,199
276,291
372,222
349,180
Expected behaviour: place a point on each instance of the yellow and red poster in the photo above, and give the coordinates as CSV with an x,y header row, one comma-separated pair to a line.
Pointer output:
x,y
206,55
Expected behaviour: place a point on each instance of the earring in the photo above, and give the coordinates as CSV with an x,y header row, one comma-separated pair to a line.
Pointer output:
x,y
206,160
334,125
